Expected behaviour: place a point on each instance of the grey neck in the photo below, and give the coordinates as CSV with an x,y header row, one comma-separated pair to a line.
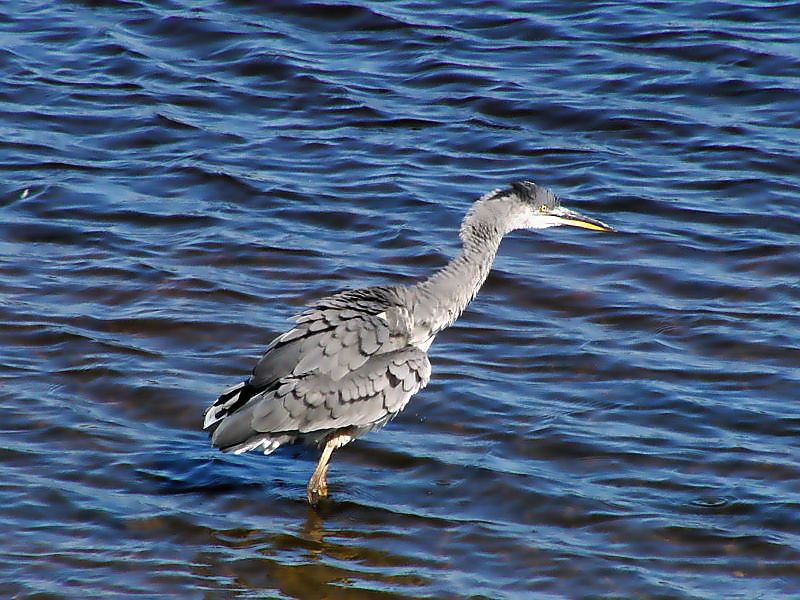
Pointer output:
x,y
441,298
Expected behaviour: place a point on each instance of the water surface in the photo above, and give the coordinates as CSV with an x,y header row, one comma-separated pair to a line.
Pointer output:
x,y
615,416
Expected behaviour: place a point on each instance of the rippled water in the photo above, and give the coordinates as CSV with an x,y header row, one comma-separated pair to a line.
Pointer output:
x,y
614,416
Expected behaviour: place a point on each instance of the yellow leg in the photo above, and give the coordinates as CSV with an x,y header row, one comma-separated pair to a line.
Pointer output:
x,y
318,484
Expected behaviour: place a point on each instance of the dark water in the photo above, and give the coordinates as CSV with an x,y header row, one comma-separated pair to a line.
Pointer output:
x,y
616,416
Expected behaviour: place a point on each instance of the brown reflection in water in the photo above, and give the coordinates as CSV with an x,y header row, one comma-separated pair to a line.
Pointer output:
x,y
310,564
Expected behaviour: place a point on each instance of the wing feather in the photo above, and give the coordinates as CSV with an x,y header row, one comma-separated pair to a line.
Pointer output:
x,y
311,404
347,362
338,333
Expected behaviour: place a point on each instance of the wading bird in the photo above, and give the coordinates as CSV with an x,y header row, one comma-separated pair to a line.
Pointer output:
x,y
353,360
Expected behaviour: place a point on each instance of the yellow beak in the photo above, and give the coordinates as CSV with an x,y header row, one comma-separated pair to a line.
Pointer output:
x,y
573,219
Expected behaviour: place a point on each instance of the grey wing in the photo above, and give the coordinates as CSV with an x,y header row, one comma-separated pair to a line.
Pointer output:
x,y
313,405
336,336
333,338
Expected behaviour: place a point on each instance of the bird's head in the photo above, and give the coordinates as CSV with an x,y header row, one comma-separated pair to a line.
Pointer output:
x,y
538,208
523,205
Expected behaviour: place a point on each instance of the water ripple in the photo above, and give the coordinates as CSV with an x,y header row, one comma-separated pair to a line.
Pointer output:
x,y
614,416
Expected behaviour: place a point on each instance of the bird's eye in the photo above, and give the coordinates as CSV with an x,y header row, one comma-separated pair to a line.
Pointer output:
x,y
543,209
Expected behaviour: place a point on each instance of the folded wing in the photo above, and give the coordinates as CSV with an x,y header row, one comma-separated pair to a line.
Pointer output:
x,y
346,363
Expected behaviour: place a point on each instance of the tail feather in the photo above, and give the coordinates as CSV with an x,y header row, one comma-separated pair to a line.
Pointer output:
x,y
227,403
233,440
266,443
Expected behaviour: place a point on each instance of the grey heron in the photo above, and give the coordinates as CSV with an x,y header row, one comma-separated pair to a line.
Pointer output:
x,y
353,360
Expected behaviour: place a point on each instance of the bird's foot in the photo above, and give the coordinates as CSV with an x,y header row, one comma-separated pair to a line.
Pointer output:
x,y
317,490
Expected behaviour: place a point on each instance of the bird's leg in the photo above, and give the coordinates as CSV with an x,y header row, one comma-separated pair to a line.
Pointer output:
x,y
318,484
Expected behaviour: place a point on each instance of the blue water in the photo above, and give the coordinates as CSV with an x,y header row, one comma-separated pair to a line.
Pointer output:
x,y
615,416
